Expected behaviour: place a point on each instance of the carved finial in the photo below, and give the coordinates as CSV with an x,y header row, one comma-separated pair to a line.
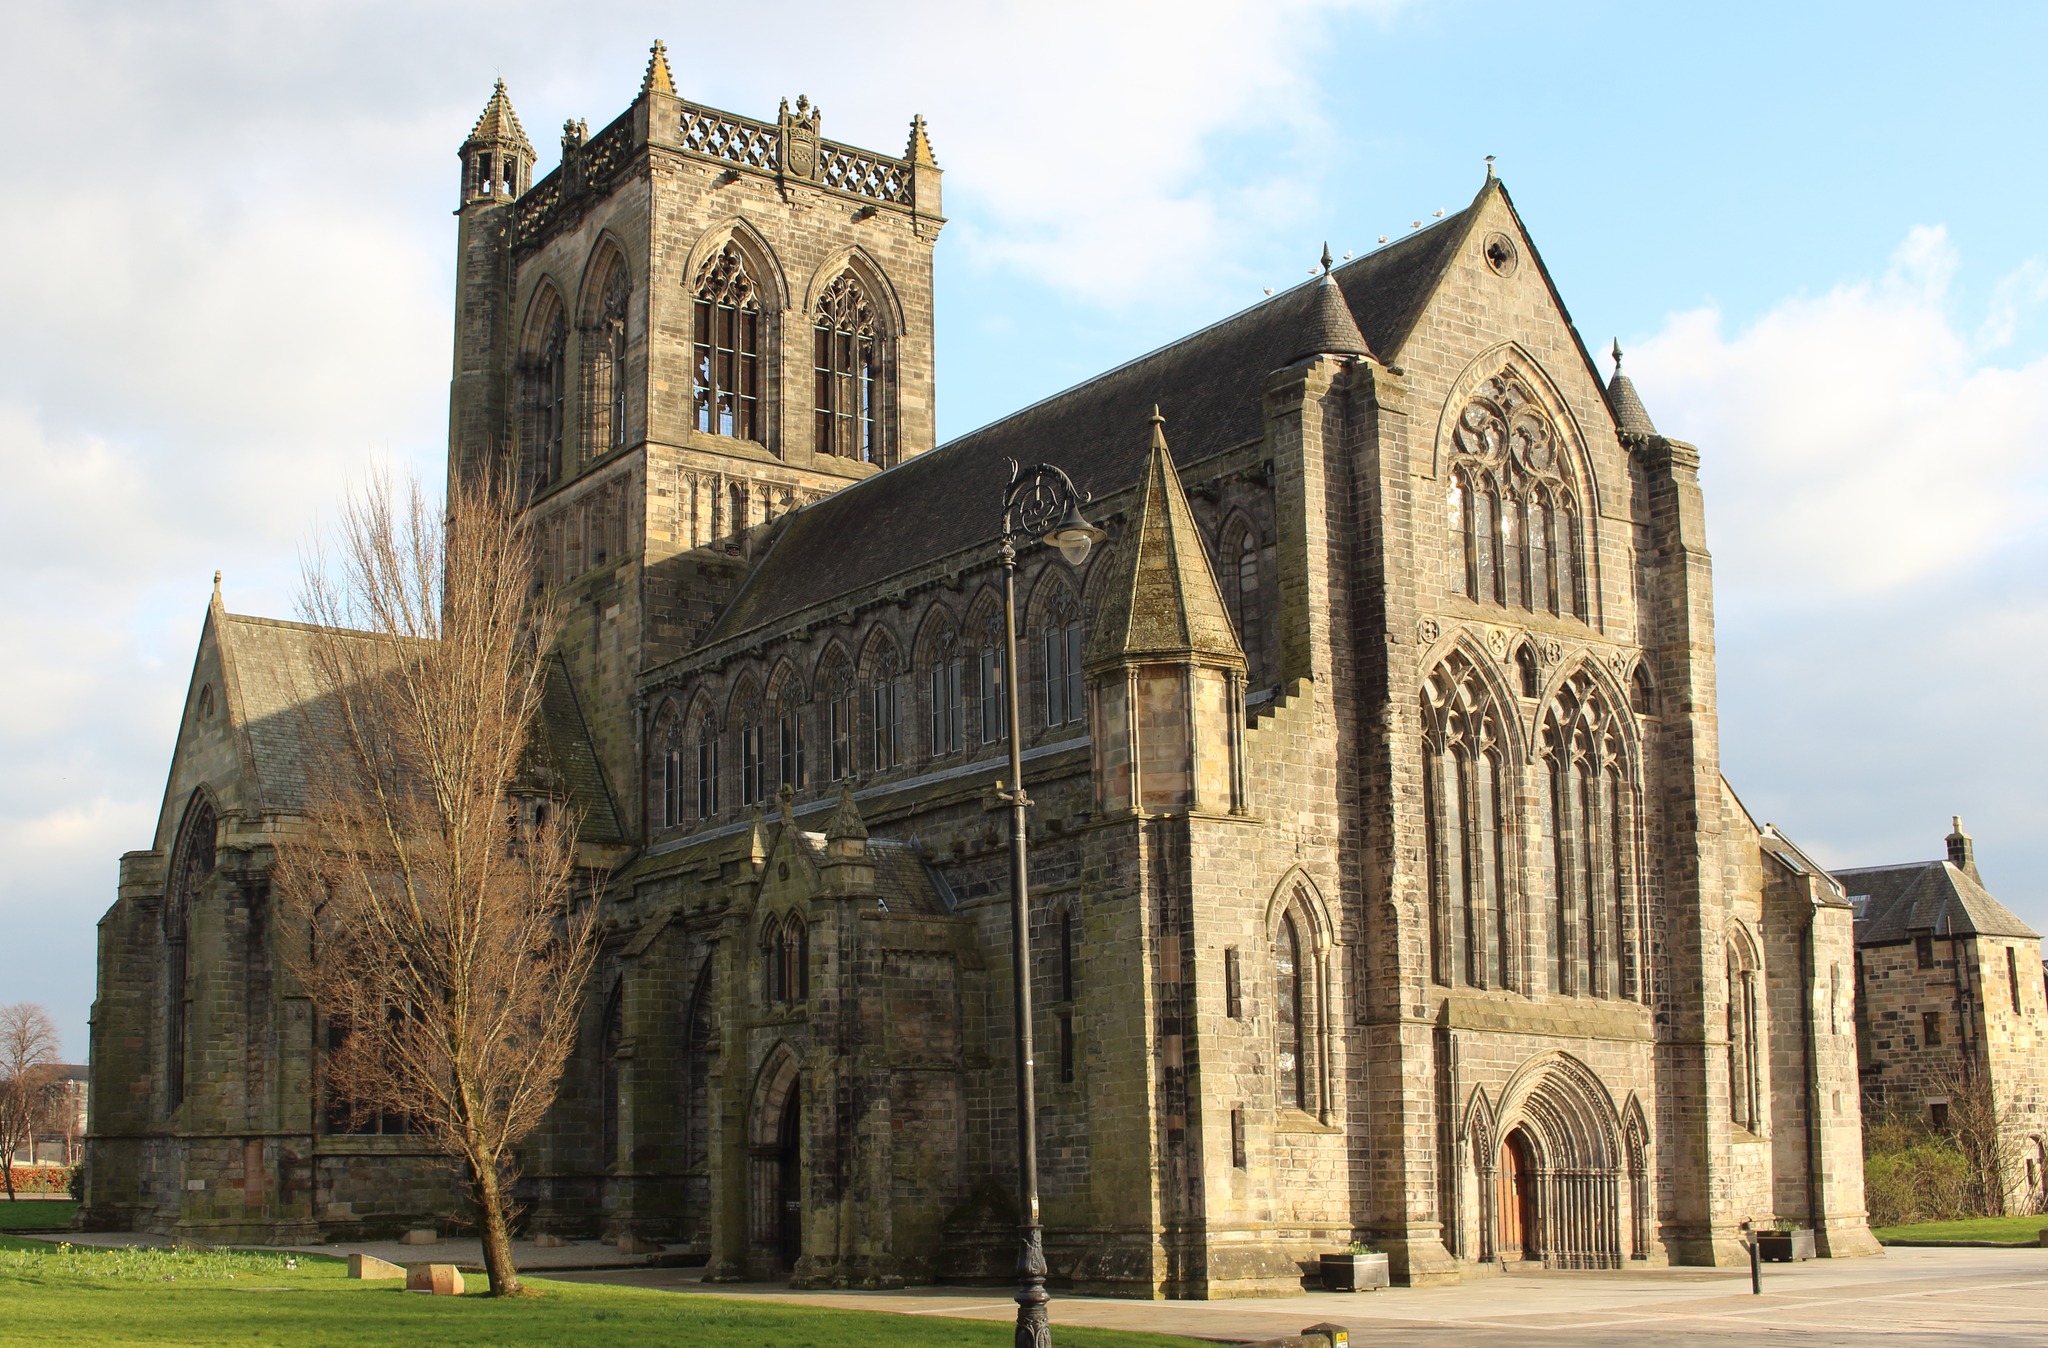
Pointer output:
x,y
1617,355
216,595
1326,257
657,80
1158,428
919,150
1489,168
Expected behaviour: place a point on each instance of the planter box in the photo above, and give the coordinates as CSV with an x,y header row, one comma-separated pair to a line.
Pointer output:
x,y
1354,1272
1783,1247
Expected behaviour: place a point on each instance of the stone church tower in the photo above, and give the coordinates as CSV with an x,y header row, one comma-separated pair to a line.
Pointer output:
x,y
1385,883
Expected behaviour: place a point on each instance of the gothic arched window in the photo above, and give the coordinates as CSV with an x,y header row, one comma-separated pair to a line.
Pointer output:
x,y
544,394
837,685
1591,826
988,686
847,369
706,741
949,714
1513,524
887,694
1469,828
728,366
753,766
1290,1019
791,769
1745,1083
1066,696
191,865
605,399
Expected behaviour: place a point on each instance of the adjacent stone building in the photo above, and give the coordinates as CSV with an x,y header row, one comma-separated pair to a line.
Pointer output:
x,y
1386,885
1951,1001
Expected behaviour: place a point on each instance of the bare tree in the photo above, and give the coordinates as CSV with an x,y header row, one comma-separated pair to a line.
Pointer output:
x,y
28,1069
1986,1129
449,930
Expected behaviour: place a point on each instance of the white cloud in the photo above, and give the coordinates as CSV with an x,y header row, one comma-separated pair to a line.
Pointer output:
x,y
1852,443
1879,526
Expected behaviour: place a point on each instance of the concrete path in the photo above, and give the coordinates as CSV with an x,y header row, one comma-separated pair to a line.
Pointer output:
x,y
1907,1298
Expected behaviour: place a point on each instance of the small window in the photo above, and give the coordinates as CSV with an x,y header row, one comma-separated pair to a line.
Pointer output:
x,y
1639,694
1067,955
2012,976
1066,1046
1233,984
1930,1029
1923,951
206,703
1237,1156
1937,1115
707,773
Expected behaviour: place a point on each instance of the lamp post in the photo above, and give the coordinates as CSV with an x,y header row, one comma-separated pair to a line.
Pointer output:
x,y
1040,503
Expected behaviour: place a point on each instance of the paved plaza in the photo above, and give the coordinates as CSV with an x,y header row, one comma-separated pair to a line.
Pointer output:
x,y
1907,1297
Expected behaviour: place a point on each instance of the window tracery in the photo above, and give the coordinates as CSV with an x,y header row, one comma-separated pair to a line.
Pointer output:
x,y
847,372
1512,514
837,684
192,864
1470,828
1744,1055
887,695
728,332
1590,825
607,363
948,714
1066,697
545,394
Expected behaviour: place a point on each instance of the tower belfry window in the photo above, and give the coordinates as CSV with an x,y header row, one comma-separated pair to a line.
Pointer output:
x,y
728,368
847,372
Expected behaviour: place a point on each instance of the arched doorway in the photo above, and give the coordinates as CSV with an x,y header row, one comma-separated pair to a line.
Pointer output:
x,y
775,1150
1520,1237
789,1200
1560,1167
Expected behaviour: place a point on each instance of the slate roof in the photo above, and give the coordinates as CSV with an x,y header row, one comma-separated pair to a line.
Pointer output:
x,y
275,701
1160,599
1897,903
905,882
565,738
1207,384
1631,418
285,723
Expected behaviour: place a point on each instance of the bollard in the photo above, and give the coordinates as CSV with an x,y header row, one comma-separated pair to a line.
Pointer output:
x,y
1756,1266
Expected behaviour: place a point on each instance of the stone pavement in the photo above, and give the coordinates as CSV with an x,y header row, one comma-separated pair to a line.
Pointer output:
x,y
1907,1298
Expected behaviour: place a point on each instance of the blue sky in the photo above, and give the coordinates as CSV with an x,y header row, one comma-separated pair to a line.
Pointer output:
x,y
225,271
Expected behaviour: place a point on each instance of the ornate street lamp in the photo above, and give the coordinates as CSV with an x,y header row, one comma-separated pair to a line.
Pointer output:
x,y
1041,503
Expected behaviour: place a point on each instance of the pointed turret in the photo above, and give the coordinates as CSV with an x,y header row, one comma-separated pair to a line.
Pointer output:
x,y
1631,418
1330,329
497,159
919,148
1164,662
657,80
1161,600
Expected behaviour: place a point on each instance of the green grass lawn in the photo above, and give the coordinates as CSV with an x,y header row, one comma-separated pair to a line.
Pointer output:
x,y
136,1296
30,1214
2001,1230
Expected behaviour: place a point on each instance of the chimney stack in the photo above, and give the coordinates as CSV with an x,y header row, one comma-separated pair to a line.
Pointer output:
x,y
1962,853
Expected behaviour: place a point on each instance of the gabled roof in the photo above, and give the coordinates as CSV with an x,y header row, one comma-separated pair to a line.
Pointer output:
x,y
564,737
1160,599
1208,384
1897,903
273,693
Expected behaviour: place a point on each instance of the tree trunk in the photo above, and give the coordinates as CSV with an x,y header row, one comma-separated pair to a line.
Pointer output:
x,y
497,1236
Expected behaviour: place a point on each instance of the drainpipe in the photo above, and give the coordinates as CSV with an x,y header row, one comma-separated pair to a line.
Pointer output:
x,y
1813,1100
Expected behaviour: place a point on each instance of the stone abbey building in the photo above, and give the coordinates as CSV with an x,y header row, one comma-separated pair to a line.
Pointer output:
x,y
1386,886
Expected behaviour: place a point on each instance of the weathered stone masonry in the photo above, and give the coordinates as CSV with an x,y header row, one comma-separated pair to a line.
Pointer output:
x,y
1385,883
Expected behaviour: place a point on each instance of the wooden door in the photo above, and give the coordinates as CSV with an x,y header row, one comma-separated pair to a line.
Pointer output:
x,y
1517,1200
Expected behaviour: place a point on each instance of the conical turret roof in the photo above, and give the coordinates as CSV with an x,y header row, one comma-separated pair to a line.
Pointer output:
x,y
499,122
1160,599
1631,418
1330,329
